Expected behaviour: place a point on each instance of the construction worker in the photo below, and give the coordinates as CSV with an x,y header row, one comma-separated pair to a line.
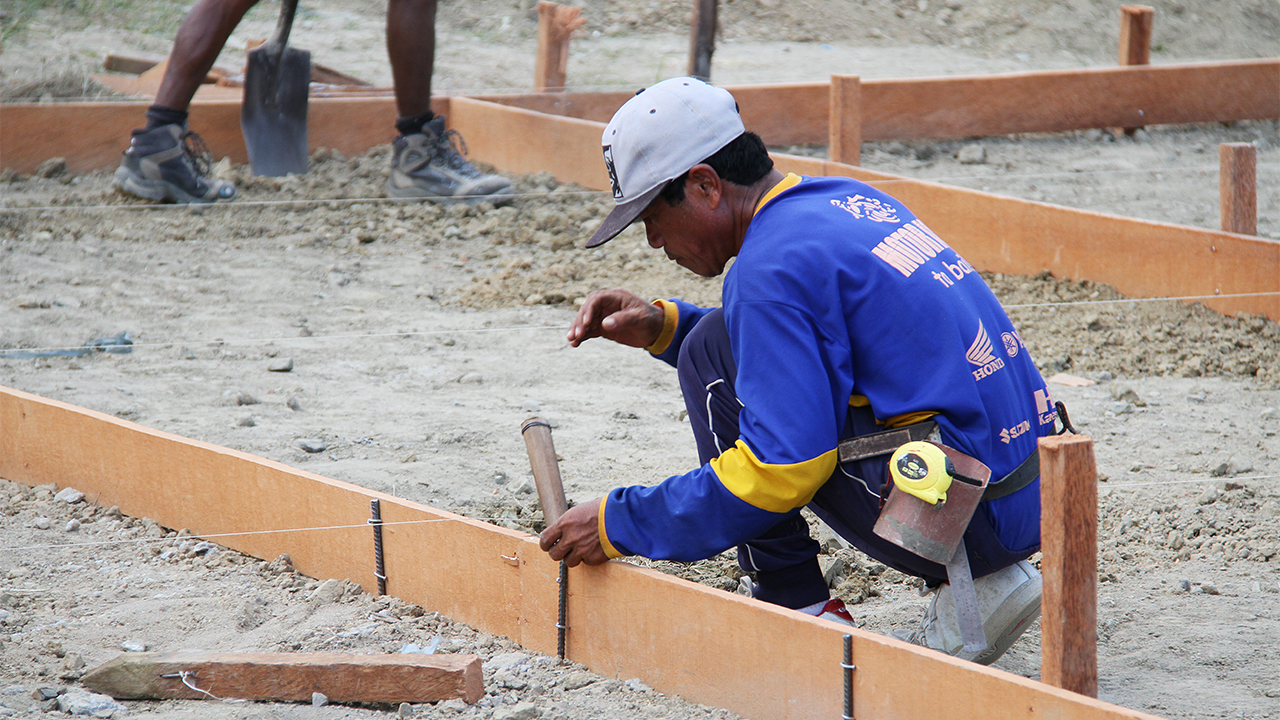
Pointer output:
x,y
167,162
842,316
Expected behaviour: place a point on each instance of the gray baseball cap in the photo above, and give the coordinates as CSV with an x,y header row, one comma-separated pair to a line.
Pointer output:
x,y
657,136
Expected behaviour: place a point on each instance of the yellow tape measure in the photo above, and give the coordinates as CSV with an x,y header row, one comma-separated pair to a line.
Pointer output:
x,y
922,469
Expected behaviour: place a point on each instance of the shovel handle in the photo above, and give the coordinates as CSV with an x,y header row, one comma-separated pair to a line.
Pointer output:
x,y
546,471
284,24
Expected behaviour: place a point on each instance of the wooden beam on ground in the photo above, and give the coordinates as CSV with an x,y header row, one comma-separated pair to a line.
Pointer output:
x,y
343,678
556,24
132,64
1069,545
702,38
845,120
1238,187
676,636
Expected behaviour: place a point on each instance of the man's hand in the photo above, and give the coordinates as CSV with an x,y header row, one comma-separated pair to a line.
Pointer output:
x,y
618,316
575,537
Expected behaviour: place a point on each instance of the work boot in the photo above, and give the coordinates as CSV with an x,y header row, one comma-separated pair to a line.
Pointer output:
x,y
430,165
1008,600
170,163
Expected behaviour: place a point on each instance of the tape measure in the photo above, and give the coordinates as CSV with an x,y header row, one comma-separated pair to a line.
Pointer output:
x,y
922,469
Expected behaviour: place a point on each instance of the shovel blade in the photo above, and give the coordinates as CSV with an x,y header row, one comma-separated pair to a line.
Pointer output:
x,y
273,116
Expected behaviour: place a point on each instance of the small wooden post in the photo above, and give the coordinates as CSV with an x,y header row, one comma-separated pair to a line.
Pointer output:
x,y
1069,543
556,23
1135,38
844,121
1238,187
702,41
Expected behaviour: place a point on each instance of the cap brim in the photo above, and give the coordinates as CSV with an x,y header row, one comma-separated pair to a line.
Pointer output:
x,y
622,216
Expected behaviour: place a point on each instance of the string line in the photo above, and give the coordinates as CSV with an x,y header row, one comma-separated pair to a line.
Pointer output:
x,y
249,341
587,193
173,538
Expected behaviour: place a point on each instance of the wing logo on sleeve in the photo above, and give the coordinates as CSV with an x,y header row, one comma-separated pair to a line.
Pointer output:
x,y
868,208
981,354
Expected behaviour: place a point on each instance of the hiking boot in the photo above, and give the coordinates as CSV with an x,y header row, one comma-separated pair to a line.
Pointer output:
x,y
430,165
170,163
1009,601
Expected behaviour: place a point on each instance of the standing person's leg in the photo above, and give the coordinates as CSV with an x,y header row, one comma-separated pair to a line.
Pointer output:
x,y
783,558
426,163
159,164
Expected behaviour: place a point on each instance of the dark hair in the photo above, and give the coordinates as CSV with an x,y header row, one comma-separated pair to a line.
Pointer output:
x,y
742,162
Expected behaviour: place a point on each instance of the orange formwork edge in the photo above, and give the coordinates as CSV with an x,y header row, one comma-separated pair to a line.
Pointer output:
x,y
994,233
625,621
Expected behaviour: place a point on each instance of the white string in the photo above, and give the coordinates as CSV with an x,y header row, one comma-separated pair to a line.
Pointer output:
x,y
173,538
575,193
249,341
298,201
1138,300
1185,482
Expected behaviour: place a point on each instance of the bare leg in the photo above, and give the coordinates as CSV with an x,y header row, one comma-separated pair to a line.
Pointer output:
x,y
200,38
411,43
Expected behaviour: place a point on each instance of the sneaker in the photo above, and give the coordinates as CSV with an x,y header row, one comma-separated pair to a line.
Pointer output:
x,y
430,165
1009,601
170,163
834,609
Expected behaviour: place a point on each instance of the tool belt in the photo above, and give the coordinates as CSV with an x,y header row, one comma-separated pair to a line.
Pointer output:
x,y
885,442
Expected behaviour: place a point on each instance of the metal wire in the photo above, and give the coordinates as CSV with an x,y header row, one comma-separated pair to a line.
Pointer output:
x,y
561,626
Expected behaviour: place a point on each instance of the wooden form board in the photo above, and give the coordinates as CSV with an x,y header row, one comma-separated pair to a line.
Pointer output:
x,y
781,114
974,106
624,621
101,129
994,233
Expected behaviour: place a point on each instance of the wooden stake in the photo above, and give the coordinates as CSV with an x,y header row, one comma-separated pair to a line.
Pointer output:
x,y
702,40
556,23
1135,34
1069,543
1238,187
289,676
1135,38
844,120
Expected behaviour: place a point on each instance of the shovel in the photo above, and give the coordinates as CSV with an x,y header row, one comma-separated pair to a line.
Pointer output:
x,y
273,116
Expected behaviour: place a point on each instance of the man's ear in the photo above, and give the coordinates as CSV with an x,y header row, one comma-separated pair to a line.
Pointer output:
x,y
704,181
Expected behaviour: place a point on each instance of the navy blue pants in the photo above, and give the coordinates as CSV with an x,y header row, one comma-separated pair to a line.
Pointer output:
x,y
785,558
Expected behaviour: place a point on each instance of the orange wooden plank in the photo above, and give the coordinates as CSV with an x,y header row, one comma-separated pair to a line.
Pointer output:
x,y
1238,187
625,621
350,125
1069,529
505,137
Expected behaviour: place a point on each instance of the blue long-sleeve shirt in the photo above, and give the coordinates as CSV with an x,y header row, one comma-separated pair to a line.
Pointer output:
x,y
840,295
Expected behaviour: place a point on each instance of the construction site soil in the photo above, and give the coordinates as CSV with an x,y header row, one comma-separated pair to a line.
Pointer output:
x,y
420,336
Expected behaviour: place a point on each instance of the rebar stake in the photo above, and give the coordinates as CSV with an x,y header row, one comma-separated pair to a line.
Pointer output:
x,y
379,570
849,667
561,627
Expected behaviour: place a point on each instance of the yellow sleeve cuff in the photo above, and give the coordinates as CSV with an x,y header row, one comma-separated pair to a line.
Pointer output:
x,y
670,318
608,547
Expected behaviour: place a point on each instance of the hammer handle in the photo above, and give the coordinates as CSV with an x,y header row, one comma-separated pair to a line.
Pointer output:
x,y
546,471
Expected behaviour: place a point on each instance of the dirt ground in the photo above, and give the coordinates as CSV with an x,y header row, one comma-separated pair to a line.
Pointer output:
x,y
402,322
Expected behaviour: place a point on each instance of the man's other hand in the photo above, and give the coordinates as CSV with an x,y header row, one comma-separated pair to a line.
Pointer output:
x,y
619,316
575,537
